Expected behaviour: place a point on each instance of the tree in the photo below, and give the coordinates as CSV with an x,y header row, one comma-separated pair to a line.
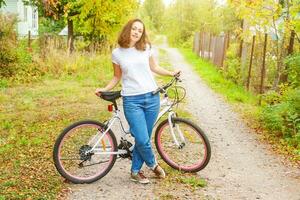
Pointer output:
x,y
154,10
67,9
2,3
99,21
183,18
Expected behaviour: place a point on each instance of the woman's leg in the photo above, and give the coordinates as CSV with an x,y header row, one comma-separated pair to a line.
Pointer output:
x,y
151,112
134,113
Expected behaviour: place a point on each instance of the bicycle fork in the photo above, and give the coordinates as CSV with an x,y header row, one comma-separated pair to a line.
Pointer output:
x,y
176,127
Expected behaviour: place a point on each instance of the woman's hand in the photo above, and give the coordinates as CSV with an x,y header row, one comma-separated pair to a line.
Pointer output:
x,y
99,90
176,73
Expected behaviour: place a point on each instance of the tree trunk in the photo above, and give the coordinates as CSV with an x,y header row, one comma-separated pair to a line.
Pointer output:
x,y
250,65
70,36
290,51
280,56
263,69
241,42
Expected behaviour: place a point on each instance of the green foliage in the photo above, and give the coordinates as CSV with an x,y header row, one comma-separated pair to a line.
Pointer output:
x,y
101,20
16,62
293,70
97,21
193,181
2,3
294,11
153,11
259,13
271,97
8,44
48,25
3,83
283,116
184,18
232,66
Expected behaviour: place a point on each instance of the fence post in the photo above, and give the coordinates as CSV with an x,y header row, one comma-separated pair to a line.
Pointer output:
x,y
199,44
263,70
228,40
213,50
250,65
194,42
202,44
29,39
225,45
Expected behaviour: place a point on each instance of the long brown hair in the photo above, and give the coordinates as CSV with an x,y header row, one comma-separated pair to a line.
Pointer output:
x,y
124,37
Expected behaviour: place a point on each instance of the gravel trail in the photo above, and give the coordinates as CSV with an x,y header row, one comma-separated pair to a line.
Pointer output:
x,y
241,167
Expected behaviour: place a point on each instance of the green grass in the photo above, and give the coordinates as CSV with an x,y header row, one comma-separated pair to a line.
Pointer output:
x,y
193,181
32,116
232,92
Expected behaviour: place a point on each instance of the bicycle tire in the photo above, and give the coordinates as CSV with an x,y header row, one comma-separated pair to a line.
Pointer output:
x,y
68,138
188,158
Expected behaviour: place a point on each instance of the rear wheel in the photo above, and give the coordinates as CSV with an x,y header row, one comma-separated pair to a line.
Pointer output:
x,y
74,158
191,154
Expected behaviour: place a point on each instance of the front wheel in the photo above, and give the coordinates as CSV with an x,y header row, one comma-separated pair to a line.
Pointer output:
x,y
182,145
81,156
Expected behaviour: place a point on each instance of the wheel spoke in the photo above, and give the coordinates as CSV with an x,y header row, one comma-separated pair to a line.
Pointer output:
x,y
194,151
75,156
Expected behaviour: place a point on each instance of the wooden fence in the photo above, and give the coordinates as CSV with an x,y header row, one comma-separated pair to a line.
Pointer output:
x,y
211,47
261,58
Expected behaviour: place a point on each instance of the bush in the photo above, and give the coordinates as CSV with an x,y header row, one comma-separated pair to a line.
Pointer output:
x,y
293,70
283,117
8,44
232,66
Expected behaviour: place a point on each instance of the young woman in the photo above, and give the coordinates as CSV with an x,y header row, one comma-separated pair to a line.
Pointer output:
x,y
133,63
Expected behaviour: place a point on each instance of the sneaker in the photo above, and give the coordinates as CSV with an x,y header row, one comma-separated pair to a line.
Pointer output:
x,y
139,177
159,172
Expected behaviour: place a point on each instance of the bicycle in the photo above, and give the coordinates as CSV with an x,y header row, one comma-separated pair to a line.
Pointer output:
x,y
87,150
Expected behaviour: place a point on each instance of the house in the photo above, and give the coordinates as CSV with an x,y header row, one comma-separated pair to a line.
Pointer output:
x,y
27,16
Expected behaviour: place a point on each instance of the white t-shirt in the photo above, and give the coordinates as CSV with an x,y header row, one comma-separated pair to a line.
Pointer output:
x,y
137,77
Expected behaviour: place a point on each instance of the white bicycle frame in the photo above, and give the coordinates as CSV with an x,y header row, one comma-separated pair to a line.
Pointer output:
x,y
165,105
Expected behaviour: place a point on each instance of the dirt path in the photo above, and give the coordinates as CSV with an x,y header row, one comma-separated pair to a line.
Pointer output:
x,y
240,167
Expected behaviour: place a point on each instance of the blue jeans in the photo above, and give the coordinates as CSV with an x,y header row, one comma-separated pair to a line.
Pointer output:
x,y
141,112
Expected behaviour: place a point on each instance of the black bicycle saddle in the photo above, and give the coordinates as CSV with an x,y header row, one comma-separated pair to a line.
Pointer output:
x,y
111,96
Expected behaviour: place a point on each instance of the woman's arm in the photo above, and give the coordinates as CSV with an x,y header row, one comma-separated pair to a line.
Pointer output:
x,y
114,81
159,70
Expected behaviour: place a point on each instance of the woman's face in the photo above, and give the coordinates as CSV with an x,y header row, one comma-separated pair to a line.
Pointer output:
x,y
136,32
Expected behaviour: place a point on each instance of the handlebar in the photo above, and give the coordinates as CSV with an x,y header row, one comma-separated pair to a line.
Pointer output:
x,y
163,88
